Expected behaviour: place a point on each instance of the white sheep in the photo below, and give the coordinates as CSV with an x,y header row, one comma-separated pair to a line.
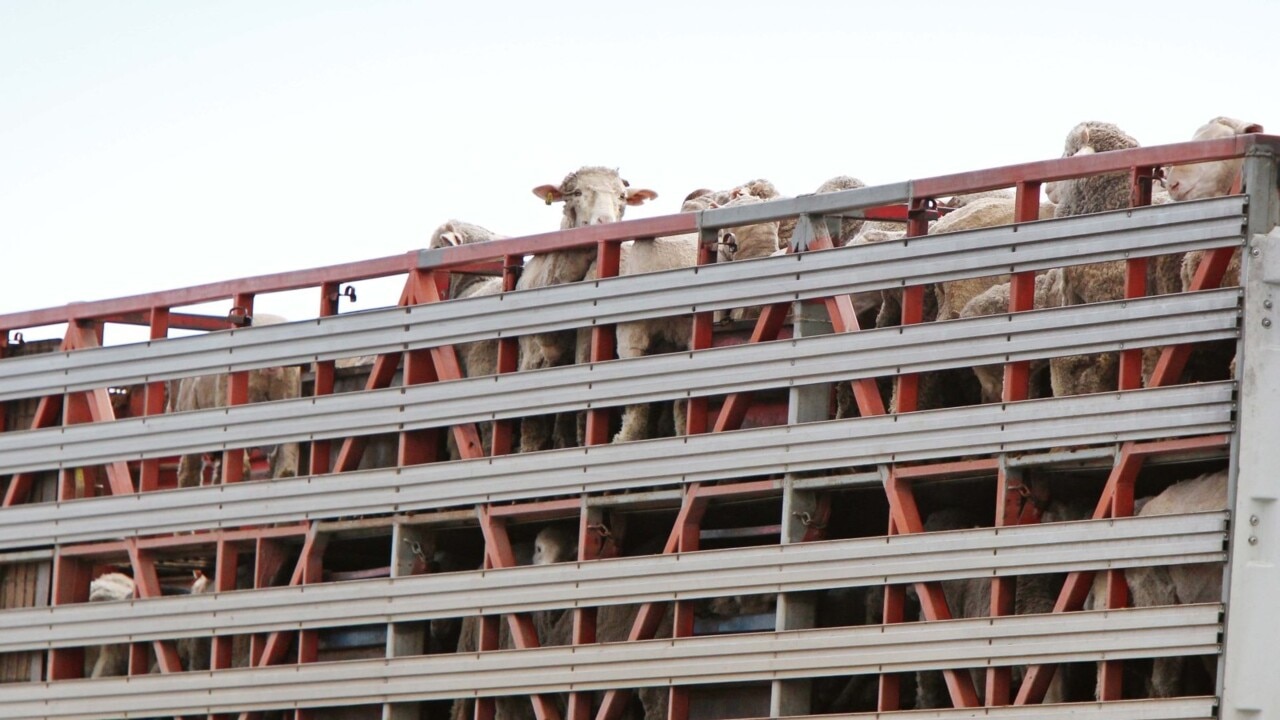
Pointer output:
x,y
113,660
1183,584
553,544
1099,282
971,598
478,358
591,196
994,301
207,392
646,337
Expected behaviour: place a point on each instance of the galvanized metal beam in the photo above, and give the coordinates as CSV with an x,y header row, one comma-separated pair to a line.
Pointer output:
x,y
1202,409
790,568
868,354
1075,637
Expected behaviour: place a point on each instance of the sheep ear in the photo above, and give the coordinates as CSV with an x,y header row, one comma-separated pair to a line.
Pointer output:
x,y
549,193
1251,128
640,197
697,194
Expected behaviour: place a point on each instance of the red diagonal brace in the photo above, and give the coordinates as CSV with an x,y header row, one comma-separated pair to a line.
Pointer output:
x,y
650,614
906,517
498,554
148,584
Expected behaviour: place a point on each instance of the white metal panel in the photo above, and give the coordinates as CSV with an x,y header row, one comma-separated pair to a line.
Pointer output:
x,y
1082,420
1026,639
1252,581
981,552
1191,708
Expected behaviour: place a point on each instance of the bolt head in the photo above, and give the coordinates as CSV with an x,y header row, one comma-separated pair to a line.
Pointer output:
x,y
1253,539
1266,322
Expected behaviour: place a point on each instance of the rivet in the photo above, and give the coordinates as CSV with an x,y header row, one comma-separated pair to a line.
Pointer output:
x,y
1255,252
1266,322
1266,303
1253,519
1253,540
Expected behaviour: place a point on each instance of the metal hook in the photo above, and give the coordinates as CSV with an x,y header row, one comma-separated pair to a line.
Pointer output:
x,y
602,530
807,520
348,292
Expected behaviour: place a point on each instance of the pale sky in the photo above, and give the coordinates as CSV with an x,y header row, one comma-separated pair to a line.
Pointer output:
x,y
152,145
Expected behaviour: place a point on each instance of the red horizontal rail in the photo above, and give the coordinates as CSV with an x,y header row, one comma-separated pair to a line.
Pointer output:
x,y
469,255
275,282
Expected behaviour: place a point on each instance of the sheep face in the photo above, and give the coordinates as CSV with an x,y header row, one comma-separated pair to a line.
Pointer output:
x,y
554,544
593,196
748,241
1212,179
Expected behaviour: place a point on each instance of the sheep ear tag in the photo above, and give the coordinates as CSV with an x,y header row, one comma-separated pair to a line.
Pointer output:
x,y
550,198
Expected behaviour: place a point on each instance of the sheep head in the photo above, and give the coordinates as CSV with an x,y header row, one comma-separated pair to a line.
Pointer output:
x,y
554,544
593,196
457,232
1210,179
748,241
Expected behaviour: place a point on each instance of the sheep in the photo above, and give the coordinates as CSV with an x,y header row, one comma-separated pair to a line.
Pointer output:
x,y
1179,584
113,660
644,337
553,544
591,196
971,598
477,358
995,300
206,392
1074,375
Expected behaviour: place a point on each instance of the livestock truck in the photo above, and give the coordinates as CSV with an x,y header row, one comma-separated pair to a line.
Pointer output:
x,y
772,559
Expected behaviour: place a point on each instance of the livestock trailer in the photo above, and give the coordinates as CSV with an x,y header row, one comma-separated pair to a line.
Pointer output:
x,y
775,558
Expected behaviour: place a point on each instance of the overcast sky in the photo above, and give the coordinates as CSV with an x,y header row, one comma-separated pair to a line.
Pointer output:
x,y
153,145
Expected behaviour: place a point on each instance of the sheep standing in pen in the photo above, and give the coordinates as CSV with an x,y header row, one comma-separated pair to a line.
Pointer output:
x,y
1196,182
113,660
553,544
971,598
1183,584
477,358
207,392
995,301
647,337
591,196
1100,282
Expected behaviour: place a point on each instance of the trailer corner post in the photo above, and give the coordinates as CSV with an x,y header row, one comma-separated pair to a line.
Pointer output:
x,y
1246,681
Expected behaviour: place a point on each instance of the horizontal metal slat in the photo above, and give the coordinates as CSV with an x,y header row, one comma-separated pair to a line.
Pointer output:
x,y
1189,708
1180,411
1040,245
1056,547
929,346
1070,637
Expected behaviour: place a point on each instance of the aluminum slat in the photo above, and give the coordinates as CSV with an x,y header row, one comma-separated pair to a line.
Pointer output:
x,y
1107,236
929,346
986,552
1188,708
1070,637
1181,411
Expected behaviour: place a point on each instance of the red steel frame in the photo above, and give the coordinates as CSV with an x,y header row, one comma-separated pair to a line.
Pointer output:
x,y
85,322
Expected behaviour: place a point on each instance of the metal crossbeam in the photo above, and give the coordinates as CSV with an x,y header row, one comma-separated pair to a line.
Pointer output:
x,y
907,647
866,354
1200,409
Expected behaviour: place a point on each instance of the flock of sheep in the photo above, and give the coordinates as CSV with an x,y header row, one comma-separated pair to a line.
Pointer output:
x,y
594,195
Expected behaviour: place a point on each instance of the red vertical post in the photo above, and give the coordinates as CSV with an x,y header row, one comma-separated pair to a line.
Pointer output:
x,y
226,563
1135,280
318,461
71,579
603,340
4,350
1022,292
912,306
508,357
418,446
889,696
682,620
1009,494
584,619
78,482
149,475
696,416
237,394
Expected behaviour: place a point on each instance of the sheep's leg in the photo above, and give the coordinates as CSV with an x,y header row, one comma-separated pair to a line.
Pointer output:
x,y
680,416
634,339
190,470
565,431
536,433
284,460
